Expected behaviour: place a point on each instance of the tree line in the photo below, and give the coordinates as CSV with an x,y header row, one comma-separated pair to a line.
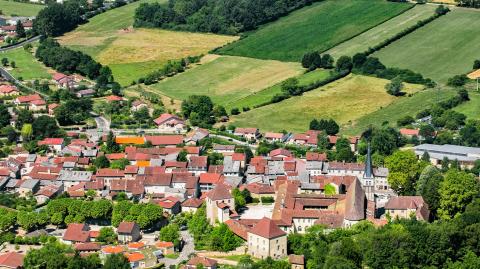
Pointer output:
x,y
216,16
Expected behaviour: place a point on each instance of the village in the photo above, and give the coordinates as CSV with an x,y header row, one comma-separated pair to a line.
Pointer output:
x,y
181,173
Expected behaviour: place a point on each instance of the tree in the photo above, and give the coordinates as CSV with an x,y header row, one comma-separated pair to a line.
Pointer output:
x,y
51,256
344,63
4,61
26,132
4,116
182,156
20,30
142,115
107,235
97,4
101,162
111,145
330,189
44,126
116,261
10,133
343,151
428,187
170,233
13,64
395,87
427,132
24,116
457,190
327,61
291,87
403,171
199,110
119,164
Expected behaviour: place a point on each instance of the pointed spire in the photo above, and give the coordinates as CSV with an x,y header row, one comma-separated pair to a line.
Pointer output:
x,y
368,164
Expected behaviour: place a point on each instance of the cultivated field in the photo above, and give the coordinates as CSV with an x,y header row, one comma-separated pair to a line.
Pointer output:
x,y
11,8
344,100
227,78
27,67
319,27
133,53
404,106
382,32
266,95
444,48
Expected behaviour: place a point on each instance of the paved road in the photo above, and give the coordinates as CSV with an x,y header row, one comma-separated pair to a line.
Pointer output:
x,y
4,73
102,123
18,45
188,249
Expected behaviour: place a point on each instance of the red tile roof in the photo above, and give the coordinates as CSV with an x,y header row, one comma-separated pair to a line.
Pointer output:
x,y
87,246
77,232
51,141
409,132
11,260
114,98
164,118
135,257
206,262
162,244
126,227
198,161
210,178
266,228
279,152
168,202
220,192
192,202
315,156
28,98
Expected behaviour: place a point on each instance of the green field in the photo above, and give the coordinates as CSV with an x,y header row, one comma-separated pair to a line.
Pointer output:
x,y
443,48
266,95
133,53
471,109
27,66
11,8
318,27
382,32
405,106
344,100
227,79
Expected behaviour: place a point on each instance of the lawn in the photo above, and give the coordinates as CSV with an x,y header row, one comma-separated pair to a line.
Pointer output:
x,y
133,53
443,48
319,27
405,106
11,8
344,100
266,95
382,32
471,109
227,79
27,66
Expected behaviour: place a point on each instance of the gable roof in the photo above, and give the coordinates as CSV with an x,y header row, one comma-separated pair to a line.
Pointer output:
x,y
220,192
206,262
266,228
11,260
165,140
126,227
355,202
76,232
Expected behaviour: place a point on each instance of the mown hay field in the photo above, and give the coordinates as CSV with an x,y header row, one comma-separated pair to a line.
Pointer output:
x,y
344,100
133,53
227,79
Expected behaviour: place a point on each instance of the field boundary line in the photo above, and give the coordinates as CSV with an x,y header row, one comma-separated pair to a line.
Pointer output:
x,y
366,30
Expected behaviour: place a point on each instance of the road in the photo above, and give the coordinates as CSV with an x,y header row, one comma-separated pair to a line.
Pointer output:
x,y
188,249
18,45
4,73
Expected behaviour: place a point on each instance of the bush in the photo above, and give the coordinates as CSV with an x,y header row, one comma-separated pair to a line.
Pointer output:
x,y
235,111
267,200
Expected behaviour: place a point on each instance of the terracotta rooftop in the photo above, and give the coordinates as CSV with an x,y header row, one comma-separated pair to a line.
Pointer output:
x,y
267,228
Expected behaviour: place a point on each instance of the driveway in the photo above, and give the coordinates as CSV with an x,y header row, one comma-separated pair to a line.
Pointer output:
x,y
188,249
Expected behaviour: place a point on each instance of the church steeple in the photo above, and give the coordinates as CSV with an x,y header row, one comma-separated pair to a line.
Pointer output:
x,y
368,173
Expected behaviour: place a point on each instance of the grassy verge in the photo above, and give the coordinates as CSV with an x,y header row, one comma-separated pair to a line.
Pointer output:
x,y
27,67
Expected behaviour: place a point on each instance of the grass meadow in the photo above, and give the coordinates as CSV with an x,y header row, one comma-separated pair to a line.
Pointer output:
x,y
266,95
404,106
227,79
11,8
318,27
443,48
344,100
133,53
383,31
27,67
